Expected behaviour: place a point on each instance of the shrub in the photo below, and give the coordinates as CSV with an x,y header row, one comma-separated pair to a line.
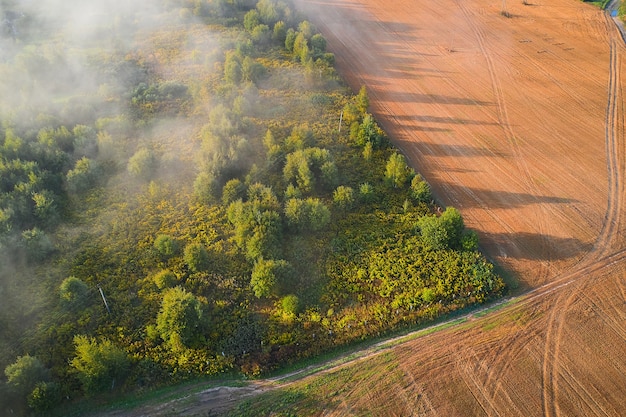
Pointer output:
x,y
73,292
164,279
99,365
290,304
166,245
196,257
24,374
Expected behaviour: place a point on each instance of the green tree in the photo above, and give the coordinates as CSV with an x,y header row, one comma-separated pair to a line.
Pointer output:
x,y
45,208
453,222
268,11
73,292
268,276
196,257
44,398
258,228
142,164
262,197
362,101
367,131
307,29
318,44
251,20
279,33
310,214
206,187
99,365
301,48
350,114
330,174
469,240
252,71
343,197
443,232
297,167
263,280
295,213
366,192
434,233
420,190
179,321
164,279
290,304
166,245
368,151
24,374
292,192
300,138
397,172
233,71
85,141
37,244
261,36
233,190
319,214
290,39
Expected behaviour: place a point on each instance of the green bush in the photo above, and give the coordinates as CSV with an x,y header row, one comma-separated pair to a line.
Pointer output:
x,y
196,257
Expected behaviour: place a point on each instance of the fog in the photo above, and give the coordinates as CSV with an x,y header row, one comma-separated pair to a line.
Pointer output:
x,y
49,49
68,63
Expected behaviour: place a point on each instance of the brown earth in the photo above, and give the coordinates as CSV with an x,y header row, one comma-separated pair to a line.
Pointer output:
x,y
519,122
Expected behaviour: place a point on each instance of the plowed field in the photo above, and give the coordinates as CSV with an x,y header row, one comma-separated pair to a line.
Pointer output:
x,y
517,121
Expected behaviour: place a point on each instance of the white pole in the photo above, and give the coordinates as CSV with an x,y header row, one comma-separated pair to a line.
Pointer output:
x,y
340,120
104,299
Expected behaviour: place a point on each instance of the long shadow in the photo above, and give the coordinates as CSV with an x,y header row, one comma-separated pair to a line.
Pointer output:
x,y
533,246
436,99
445,120
397,26
442,150
407,71
499,199
429,129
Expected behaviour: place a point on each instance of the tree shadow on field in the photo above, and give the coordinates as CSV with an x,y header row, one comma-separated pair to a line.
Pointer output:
x,y
410,71
497,199
436,99
456,151
443,120
532,246
398,27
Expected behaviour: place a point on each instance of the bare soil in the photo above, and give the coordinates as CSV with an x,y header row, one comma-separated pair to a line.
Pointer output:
x,y
517,121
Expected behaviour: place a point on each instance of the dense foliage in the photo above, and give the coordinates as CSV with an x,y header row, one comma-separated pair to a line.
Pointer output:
x,y
187,205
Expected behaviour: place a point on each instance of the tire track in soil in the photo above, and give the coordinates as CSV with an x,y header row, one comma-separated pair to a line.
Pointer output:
x,y
504,121
505,358
614,128
469,367
602,246
524,180
552,350
503,114
609,319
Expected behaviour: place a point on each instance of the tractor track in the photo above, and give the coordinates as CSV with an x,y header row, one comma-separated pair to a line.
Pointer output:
x,y
614,128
